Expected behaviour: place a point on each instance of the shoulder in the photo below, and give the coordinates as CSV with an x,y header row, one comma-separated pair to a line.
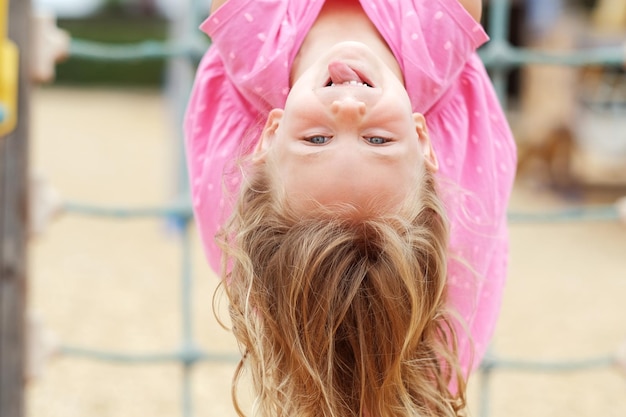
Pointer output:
x,y
216,4
473,7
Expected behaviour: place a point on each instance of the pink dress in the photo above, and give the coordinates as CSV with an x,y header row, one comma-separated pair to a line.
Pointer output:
x,y
245,74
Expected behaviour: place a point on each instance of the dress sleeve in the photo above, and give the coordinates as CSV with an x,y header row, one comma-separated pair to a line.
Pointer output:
x,y
432,40
257,41
451,37
218,128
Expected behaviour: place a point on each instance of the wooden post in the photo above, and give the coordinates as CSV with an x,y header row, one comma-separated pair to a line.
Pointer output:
x,y
13,229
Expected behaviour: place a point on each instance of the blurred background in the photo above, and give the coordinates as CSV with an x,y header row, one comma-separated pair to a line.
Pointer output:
x,y
120,297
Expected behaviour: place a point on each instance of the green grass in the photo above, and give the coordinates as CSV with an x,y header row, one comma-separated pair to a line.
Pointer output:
x,y
113,29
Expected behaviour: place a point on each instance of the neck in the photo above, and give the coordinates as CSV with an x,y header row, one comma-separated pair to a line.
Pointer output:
x,y
339,21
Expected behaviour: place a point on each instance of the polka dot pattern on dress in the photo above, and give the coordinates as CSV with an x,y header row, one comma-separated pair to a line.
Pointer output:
x,y
448,38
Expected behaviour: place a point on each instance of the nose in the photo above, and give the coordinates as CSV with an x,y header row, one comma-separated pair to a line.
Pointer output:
x,y
348,109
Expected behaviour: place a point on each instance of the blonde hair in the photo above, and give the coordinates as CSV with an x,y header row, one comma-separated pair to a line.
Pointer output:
x,y
341,317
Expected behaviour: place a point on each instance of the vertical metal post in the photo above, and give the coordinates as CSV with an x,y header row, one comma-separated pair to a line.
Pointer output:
x,y
179,80
498,28
13,229
188,343
484,404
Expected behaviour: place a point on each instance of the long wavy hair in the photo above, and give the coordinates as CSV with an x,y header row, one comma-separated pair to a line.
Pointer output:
x,y
339,316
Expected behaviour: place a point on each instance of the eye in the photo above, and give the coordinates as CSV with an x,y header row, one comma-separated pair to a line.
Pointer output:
x,y
317,139
377,140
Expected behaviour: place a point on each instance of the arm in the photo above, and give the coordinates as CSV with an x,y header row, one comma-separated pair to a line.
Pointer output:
x,y
215,4
474,7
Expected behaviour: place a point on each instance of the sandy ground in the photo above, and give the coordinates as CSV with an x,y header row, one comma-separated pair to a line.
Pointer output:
x,y
115,285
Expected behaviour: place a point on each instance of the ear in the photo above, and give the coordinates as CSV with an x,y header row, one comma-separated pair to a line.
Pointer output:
x,y
430,158
267,134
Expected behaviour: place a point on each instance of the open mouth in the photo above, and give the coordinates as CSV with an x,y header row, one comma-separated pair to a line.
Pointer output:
x,y
330,83
341,74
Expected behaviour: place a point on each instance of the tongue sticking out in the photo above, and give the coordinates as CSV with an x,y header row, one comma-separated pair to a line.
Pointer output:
x,y
341,73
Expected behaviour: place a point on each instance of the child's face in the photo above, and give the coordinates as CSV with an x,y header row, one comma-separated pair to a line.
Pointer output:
x,y
359,144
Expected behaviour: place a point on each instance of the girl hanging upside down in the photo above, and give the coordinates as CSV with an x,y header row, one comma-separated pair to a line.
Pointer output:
x,y
350,169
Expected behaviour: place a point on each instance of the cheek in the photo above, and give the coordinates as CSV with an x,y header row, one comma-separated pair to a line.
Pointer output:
x,y
275,175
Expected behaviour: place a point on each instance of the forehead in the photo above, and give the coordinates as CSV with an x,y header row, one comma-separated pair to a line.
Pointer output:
x,y
368,183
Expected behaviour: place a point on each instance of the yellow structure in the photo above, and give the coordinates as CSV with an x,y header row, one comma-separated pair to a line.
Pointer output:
x,y
8,74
